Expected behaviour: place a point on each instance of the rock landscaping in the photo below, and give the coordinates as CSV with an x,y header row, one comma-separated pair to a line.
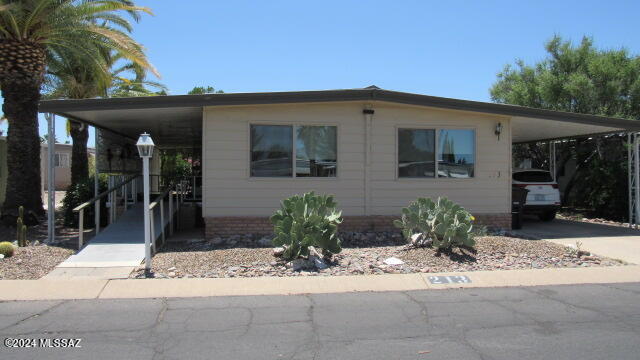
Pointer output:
x,y
32,262
39,257
362,253
580,217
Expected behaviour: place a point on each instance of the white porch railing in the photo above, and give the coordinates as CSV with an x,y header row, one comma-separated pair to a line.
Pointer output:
x,y
177,191
111,192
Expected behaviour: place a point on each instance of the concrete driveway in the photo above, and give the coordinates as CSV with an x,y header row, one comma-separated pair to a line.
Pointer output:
x,y
611,241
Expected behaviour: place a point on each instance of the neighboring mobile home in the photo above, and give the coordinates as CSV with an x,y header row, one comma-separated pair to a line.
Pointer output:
x,y
62,164
375,150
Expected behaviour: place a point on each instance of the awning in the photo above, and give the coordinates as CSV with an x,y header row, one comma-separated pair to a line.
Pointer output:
x,y
177,120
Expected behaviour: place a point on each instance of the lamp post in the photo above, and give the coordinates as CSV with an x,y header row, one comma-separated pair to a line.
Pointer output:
x,y
145,149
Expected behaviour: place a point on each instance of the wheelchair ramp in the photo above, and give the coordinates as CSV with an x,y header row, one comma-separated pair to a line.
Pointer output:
x,y
115,251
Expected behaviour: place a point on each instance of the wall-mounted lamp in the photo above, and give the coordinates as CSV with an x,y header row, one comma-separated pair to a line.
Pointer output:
x,y
498,130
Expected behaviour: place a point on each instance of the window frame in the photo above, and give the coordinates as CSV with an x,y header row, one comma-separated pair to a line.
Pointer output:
x,y
293,135
436,129
58,156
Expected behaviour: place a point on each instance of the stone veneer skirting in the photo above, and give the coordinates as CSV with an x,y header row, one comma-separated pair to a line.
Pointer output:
x,y
240,225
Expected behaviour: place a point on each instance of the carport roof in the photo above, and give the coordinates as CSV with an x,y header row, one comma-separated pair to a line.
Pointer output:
x,y
176,118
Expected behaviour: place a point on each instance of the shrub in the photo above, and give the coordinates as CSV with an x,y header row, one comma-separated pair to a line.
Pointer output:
x,y
441,224
6,249
79,193
307,221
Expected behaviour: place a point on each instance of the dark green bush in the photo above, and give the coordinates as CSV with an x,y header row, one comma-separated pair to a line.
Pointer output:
x,y
79,193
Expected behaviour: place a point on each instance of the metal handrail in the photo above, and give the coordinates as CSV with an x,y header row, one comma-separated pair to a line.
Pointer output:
x,y
179,193
96,200
103,194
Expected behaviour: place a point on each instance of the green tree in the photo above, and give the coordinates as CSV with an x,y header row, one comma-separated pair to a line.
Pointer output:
x,y
74,76
582,79
200,90
32,32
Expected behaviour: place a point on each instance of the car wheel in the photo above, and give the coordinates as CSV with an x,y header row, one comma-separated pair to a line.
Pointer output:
x,y
548,215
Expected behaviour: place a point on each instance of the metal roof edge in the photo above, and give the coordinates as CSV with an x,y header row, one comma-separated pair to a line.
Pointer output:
x,y
367,94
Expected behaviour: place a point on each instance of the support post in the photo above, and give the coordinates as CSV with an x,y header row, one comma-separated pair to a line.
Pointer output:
x,y
81,230
636,168
629,178
147,226
51,176
152,230
552,159
162,220
97,211
96,182
170,212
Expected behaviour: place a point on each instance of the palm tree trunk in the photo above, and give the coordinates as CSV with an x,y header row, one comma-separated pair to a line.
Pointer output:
x,y
79,159
23,151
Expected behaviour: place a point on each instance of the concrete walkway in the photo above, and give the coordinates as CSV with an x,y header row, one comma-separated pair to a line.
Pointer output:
x,y
115,251
84,288
606,240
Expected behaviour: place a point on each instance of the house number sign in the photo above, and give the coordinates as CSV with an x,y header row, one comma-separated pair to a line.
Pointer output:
x,y
449,280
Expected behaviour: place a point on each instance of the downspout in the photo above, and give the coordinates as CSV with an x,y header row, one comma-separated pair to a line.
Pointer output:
x,y
368,120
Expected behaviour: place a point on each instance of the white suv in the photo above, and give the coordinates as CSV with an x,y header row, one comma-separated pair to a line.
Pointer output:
x,y
543,198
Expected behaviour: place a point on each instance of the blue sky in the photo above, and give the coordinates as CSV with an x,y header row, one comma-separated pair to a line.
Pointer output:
x,y
452,49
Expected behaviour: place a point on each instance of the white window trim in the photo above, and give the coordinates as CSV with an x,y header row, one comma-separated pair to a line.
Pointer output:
x,y
61,164
293,153
436,129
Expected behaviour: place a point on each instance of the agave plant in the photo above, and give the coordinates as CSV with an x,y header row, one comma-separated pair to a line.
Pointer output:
x,y
442,224
307,221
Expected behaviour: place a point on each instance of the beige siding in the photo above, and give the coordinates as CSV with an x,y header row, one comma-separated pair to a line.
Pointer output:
x,y
488,192
229,191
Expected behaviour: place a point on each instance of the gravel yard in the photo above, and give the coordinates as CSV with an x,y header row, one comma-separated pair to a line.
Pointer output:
x,y
199,258
32,262
38,259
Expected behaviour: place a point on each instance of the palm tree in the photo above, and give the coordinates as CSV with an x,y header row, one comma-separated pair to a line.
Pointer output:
x,y
31,33
77,77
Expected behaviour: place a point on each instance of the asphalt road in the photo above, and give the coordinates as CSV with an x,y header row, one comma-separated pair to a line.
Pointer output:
x,y
561,322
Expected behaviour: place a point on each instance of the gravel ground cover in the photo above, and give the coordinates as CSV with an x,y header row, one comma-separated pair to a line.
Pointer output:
x,y
32,262
582,218
38,259
362,254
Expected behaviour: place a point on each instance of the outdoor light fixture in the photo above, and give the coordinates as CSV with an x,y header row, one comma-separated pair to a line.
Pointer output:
x,y
145,146
498,130
145,149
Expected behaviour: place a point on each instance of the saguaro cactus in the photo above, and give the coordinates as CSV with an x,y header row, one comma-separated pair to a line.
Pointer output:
x,y
21,228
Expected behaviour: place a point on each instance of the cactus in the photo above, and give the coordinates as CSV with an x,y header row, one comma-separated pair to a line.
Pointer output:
x,y
441,224
307,221
21,228
6,249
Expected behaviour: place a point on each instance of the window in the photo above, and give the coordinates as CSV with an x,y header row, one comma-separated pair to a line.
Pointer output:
x,y
456,153
316,151
416,153
61,160
419,157
272,151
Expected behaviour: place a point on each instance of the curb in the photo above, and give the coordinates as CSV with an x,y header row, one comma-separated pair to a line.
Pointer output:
x,y
50,289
